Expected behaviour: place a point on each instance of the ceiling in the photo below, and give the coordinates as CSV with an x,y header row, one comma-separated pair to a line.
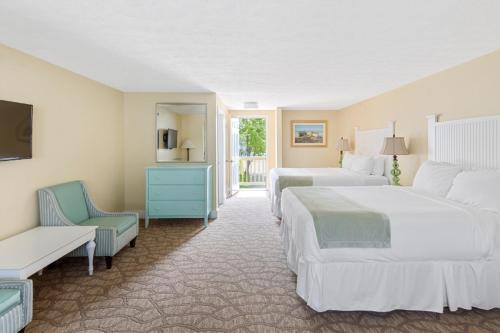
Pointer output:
x,y
303,54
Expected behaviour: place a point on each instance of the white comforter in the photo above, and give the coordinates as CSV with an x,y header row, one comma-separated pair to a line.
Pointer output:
x,y
321,177
423,228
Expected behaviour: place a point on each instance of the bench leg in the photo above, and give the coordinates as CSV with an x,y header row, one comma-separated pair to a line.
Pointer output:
x,y
109,262
132,242
90,253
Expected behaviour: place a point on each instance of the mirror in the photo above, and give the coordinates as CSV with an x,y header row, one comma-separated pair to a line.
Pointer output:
x,y
181,132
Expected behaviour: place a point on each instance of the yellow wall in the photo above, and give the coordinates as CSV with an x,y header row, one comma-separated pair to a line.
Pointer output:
x,y
77,134
139,138
301,157
468,90
193,129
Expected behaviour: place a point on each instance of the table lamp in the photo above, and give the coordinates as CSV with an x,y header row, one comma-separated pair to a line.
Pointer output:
x,y
188,144
342,145
394,146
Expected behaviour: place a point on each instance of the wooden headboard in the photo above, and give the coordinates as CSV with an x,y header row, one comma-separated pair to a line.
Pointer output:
x,y
470,143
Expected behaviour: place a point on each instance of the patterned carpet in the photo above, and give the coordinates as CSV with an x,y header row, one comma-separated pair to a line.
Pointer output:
x,y
231,277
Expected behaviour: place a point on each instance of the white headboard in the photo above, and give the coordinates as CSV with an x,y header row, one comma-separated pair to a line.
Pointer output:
x,y
369,142
471,143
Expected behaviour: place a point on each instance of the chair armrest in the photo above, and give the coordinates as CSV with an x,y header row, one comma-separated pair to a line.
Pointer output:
x,y
26,288
96,212
50,212
100,213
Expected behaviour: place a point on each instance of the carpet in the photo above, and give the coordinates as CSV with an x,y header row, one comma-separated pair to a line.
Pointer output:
x,y
230,277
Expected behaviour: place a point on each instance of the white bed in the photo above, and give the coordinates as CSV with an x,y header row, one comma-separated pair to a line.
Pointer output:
x,y
443,252
320,177
368,143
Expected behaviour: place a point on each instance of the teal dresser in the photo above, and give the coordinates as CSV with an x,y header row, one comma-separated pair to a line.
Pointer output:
x,y
178,191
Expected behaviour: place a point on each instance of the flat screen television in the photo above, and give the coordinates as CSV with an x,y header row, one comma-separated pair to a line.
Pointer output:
x,y
16,122
171,138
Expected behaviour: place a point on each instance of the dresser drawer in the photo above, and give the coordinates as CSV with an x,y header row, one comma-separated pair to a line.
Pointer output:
x,y
176,192
177,176
177,208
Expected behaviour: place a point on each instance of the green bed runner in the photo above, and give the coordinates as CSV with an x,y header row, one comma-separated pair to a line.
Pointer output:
x,y
294,181
340,222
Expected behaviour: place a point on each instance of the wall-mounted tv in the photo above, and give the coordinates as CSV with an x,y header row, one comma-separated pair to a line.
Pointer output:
x,y
172,139
168,138
16,121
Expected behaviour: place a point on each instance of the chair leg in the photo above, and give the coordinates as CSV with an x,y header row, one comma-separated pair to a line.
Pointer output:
x,y
109,262
132,242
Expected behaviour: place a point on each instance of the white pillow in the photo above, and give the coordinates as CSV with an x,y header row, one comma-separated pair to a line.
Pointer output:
x,y
480,188
378,166
435,177
362,164
347,161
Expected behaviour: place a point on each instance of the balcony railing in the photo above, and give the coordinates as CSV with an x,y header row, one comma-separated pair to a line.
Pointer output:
x,y
256,173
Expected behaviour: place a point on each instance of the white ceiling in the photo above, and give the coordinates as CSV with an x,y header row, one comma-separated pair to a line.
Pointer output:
x,y
280,53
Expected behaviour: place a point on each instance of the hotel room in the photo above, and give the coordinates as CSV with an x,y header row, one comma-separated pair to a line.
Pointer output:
x,y
249,166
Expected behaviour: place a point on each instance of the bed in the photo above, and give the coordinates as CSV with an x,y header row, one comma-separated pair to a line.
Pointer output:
x,y
368,143
444,252
319,177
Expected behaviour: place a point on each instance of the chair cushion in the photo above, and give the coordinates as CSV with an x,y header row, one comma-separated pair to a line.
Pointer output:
x,y
121,223
9,298
72,201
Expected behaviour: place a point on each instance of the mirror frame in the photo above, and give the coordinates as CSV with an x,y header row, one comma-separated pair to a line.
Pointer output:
x,y
204,136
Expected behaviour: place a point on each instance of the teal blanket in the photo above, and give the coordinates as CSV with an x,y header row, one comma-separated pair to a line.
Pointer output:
x,y
340,222
294,181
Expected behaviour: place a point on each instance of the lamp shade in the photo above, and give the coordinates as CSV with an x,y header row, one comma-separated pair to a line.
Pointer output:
x,y
188,144
343,144
394,146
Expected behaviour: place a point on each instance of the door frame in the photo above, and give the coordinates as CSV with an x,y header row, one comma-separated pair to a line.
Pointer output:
x,y
232,191
221,158
261,116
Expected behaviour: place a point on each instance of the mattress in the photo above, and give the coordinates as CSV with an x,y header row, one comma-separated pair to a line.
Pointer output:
x,y
423,228
321,177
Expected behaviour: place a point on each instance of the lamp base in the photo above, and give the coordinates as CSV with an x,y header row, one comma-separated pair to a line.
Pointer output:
x,y
341,158
395,172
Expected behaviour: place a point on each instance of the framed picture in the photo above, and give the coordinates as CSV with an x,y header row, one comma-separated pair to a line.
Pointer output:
x,y
309,133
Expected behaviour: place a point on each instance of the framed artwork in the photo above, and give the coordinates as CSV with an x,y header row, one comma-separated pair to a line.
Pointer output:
x,y
309,133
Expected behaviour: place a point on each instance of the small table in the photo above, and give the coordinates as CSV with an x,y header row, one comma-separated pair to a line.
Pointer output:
x,y
29,252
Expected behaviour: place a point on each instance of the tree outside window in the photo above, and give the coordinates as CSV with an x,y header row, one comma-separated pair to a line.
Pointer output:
x,y
252,142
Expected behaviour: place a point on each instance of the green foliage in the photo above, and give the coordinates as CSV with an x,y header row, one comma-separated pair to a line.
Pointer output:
x,y
252,137
252,143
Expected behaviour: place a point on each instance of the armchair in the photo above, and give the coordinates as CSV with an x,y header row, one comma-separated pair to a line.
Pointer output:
x,y
69,204
16,305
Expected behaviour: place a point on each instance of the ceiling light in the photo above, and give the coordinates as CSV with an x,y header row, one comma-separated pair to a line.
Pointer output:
x,y
251,105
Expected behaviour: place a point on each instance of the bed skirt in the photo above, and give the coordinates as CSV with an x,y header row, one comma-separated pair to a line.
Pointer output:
x,y
275,203
387,286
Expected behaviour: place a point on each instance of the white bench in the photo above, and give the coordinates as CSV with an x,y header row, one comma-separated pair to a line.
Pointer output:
x,y
29,252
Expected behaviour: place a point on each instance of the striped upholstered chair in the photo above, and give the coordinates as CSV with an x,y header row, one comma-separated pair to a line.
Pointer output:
x,y
16,305
69,204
